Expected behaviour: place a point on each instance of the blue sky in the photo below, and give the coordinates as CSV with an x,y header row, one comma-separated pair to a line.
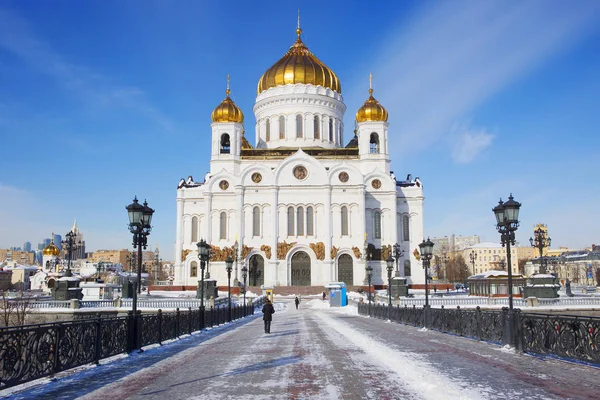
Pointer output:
x,y
104,100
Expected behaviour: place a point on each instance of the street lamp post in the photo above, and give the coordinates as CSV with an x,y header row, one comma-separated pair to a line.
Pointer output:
x,y
507,222
397,254
70,244
473,257
369,271
140,220
540,241
244,276
426,254
203,256
390,268
229,267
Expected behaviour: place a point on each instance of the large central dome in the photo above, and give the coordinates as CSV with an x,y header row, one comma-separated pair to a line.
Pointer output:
x,y
299,65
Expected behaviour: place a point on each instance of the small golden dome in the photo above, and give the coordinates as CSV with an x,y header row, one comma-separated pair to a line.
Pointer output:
x,y
51,250
245,144
299,65
227,111
371,110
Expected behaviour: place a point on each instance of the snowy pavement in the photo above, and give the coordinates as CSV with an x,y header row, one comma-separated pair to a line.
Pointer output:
x,y
321,353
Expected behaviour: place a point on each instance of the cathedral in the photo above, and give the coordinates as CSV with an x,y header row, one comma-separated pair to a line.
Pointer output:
x,y
300,206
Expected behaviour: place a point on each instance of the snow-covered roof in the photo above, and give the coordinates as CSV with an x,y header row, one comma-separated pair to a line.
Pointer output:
x,y
542,276
494,274
69,278
486,245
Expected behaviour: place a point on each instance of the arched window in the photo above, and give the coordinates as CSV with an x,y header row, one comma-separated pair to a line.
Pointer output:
x,y
223,226
344,221
317,128
268,134
282,127
377,224
330,130
300,221
256,221
374,143
193,269
290,221
298,126
406,267
309,221
405,228
194,229
225,144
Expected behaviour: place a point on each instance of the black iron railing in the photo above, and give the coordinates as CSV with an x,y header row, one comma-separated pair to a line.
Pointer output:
x,y
570,337
35,351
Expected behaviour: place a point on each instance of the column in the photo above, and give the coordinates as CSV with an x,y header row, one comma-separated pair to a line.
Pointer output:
x,y
208,214
328,232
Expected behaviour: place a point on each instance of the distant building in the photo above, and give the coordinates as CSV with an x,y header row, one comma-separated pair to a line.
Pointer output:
x,y
27,246
489,256
110,256
20,257
78,252
57,241
453,243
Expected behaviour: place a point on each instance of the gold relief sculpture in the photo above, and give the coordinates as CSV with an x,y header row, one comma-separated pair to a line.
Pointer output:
x,y
218,254
246,250
334,251
386,251
300,172
256,177
267,250
224,185
319,249
376,183
184,254
356,251
283,249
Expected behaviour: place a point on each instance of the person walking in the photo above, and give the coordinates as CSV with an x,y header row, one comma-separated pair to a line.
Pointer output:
x,y
297,301
268,310
324,296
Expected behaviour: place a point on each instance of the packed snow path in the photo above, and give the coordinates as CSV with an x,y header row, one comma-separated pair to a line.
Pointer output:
x,y
321,353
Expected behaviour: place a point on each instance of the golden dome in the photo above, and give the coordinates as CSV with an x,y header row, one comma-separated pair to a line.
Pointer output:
x,y
245,144
227,111
51,250
299,65
371,110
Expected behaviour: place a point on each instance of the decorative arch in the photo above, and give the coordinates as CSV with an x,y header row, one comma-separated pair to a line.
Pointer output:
x,y
345,269
300,269
225,147
193,269
256,270
194,229
407,270
223,225
256,221
374,143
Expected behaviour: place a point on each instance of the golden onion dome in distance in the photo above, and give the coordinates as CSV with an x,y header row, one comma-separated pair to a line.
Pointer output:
x,y
227,111
299,65
51,249
371,110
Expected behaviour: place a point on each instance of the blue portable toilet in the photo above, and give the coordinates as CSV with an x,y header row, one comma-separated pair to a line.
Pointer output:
x,y
337,294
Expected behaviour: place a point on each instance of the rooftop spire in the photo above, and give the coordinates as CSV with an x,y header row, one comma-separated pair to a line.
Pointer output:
x,y
227,91
298,29
370,84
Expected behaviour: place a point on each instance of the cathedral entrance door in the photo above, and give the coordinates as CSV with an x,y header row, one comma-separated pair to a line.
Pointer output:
x,y
345,271
300,269
256,270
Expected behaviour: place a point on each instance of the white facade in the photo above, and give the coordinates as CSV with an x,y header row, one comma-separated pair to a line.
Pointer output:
x,y
301,204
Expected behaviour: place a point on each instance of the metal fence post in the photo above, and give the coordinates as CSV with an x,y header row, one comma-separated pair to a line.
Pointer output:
x,y
177,322
59,334
459,323
190,321
138,331
443,319
517,330
98,339
131,329
159,326
478,323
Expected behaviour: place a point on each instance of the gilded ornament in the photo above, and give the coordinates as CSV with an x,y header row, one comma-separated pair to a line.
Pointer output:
x,y
300,172
299,65
386,251
343,177
357,253
218,254
224,185
227,111
256,177
371,110
334,251
376,183
283,249
184,254
245,251
319,249
267,250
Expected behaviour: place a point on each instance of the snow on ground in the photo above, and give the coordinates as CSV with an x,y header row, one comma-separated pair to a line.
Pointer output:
x,y
410,369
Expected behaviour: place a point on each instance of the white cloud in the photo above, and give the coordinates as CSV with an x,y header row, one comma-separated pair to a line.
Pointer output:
x,y
469,143
450,57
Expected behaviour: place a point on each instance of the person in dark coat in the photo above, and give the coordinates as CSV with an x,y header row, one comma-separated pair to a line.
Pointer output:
x,y
268,310
297,301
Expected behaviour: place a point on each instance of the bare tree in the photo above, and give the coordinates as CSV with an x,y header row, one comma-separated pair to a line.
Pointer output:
x,y
14,311
456,269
